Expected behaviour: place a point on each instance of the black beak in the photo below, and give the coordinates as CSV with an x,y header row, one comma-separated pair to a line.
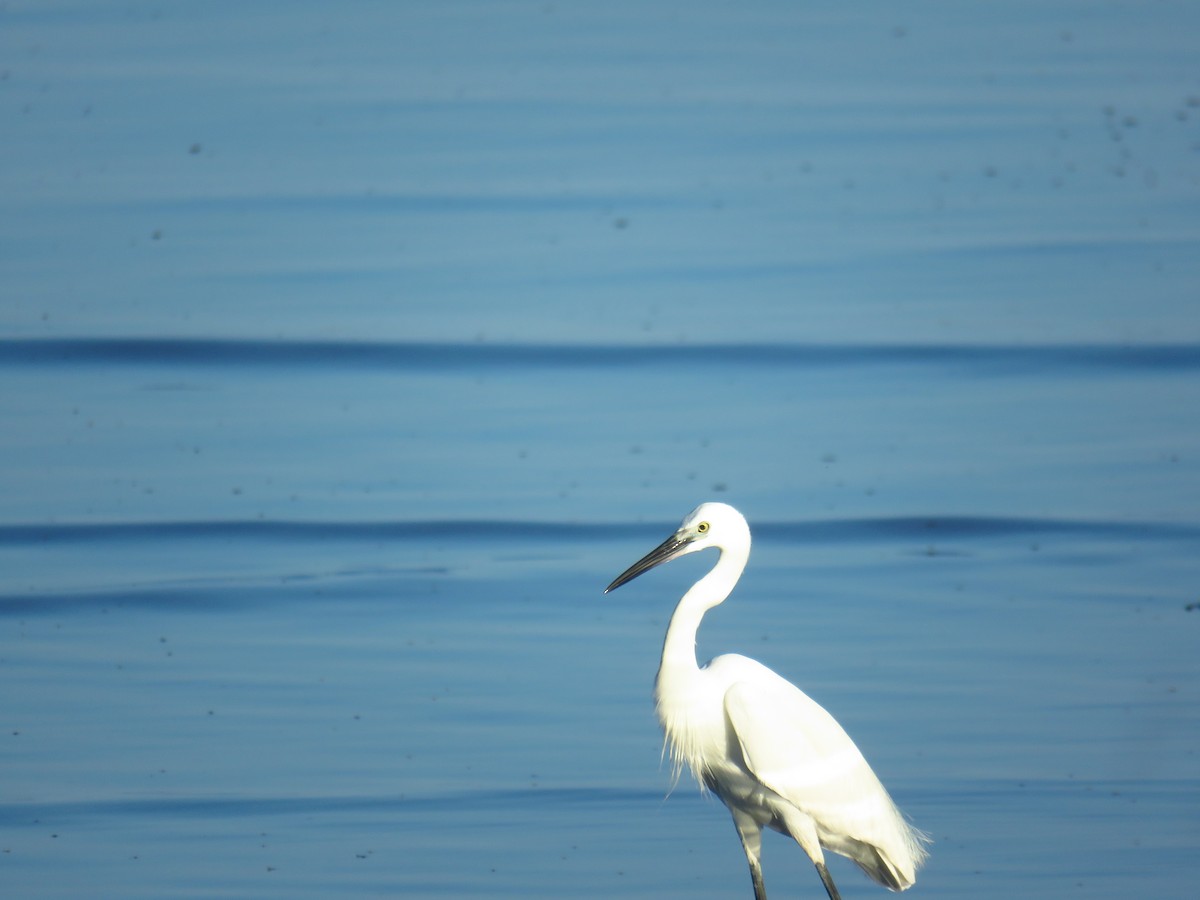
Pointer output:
x,y
664,552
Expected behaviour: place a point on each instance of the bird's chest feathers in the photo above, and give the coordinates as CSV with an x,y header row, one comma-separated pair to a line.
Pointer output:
x,y
692,713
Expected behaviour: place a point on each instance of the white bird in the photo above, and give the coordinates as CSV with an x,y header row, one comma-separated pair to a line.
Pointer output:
x,y
774,756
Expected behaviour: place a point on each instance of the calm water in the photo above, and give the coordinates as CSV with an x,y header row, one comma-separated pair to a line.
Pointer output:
x,y
349,352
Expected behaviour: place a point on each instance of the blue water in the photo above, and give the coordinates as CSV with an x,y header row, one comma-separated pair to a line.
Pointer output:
x,y
346,353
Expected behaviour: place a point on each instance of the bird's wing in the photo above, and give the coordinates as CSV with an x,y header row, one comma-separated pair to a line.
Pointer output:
x,y
791,745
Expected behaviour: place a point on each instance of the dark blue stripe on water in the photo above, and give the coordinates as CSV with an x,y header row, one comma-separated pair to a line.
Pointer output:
x,y
986,358
496,531
197,594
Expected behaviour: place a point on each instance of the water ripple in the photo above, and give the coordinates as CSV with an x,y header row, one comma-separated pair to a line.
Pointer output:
x,y
217,352
944,527
164,807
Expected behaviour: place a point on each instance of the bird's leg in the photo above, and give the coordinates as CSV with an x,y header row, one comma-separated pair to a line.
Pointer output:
x,y
804,831
760,891
827,880
751,834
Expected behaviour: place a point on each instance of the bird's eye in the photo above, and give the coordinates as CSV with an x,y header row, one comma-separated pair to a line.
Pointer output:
x,y
702,528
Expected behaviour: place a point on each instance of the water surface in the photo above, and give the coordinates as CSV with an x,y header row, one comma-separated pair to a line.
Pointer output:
x,y
347,355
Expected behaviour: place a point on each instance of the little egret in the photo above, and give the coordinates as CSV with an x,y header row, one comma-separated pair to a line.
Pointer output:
x,y
773,756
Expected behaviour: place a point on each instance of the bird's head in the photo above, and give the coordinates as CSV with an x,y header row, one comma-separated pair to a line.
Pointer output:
x,y
708,525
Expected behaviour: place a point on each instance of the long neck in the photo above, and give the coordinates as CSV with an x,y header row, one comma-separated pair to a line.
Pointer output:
x,y
679,647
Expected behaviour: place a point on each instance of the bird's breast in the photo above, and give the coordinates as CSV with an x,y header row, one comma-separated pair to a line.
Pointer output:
x,y
691,711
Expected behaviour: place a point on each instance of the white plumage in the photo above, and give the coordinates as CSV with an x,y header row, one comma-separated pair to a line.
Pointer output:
x,y
774,756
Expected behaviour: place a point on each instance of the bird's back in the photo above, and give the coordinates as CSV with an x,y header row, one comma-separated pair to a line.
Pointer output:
x,y
792,746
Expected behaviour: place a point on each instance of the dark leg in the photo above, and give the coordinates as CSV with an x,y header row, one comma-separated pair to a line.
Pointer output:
x,y
827,880
760,892
751,834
